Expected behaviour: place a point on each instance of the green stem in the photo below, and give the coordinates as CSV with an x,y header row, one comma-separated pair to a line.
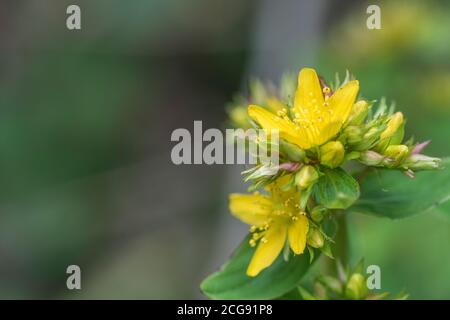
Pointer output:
x,y
341,247
341,244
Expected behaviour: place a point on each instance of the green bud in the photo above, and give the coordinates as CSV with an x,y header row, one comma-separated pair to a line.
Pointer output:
x,y
306,177
372,158
315,238
358,113
352,155
356,287
353,134
421,162
371,133
318,213
332,154
369,139
397,152
293,152
332,283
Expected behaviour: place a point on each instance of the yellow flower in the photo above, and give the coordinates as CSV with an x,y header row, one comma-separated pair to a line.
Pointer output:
x,y
317,114
274,218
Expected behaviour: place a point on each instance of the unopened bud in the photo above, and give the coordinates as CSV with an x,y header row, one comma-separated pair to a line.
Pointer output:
x,y
318,213
292,152
358,113
315,238
353,134
371,133
397,152
332,154
368,139
372,158
421,162
356,287
306,177
395,122
352,155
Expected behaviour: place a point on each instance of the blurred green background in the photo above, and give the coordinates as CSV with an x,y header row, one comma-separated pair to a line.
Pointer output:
x,y
86,117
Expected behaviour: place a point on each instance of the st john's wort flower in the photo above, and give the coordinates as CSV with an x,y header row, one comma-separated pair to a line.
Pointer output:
x,y
274,218
317,114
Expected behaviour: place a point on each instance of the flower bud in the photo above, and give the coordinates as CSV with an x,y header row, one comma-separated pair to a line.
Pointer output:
x,y
306,177
372,158
356,287
315,238
395,122
368,139
358,113
352,155
371,133
397,152
318,213
332,154
292,152
421,162
353,134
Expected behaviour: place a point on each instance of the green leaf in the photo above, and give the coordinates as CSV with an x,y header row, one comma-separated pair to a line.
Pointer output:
x,y
232,282
389,193
336,189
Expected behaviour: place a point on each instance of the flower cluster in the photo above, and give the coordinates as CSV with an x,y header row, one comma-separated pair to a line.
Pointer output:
x,y
322,128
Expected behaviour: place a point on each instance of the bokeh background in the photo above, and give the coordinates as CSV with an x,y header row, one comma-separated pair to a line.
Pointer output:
x,y
86,117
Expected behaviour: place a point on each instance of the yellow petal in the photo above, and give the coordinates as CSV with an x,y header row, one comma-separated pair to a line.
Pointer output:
x,y
337,112
309,92
252,209
274,104
341,102
319,119
268,251
326,131
298,229
269,121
